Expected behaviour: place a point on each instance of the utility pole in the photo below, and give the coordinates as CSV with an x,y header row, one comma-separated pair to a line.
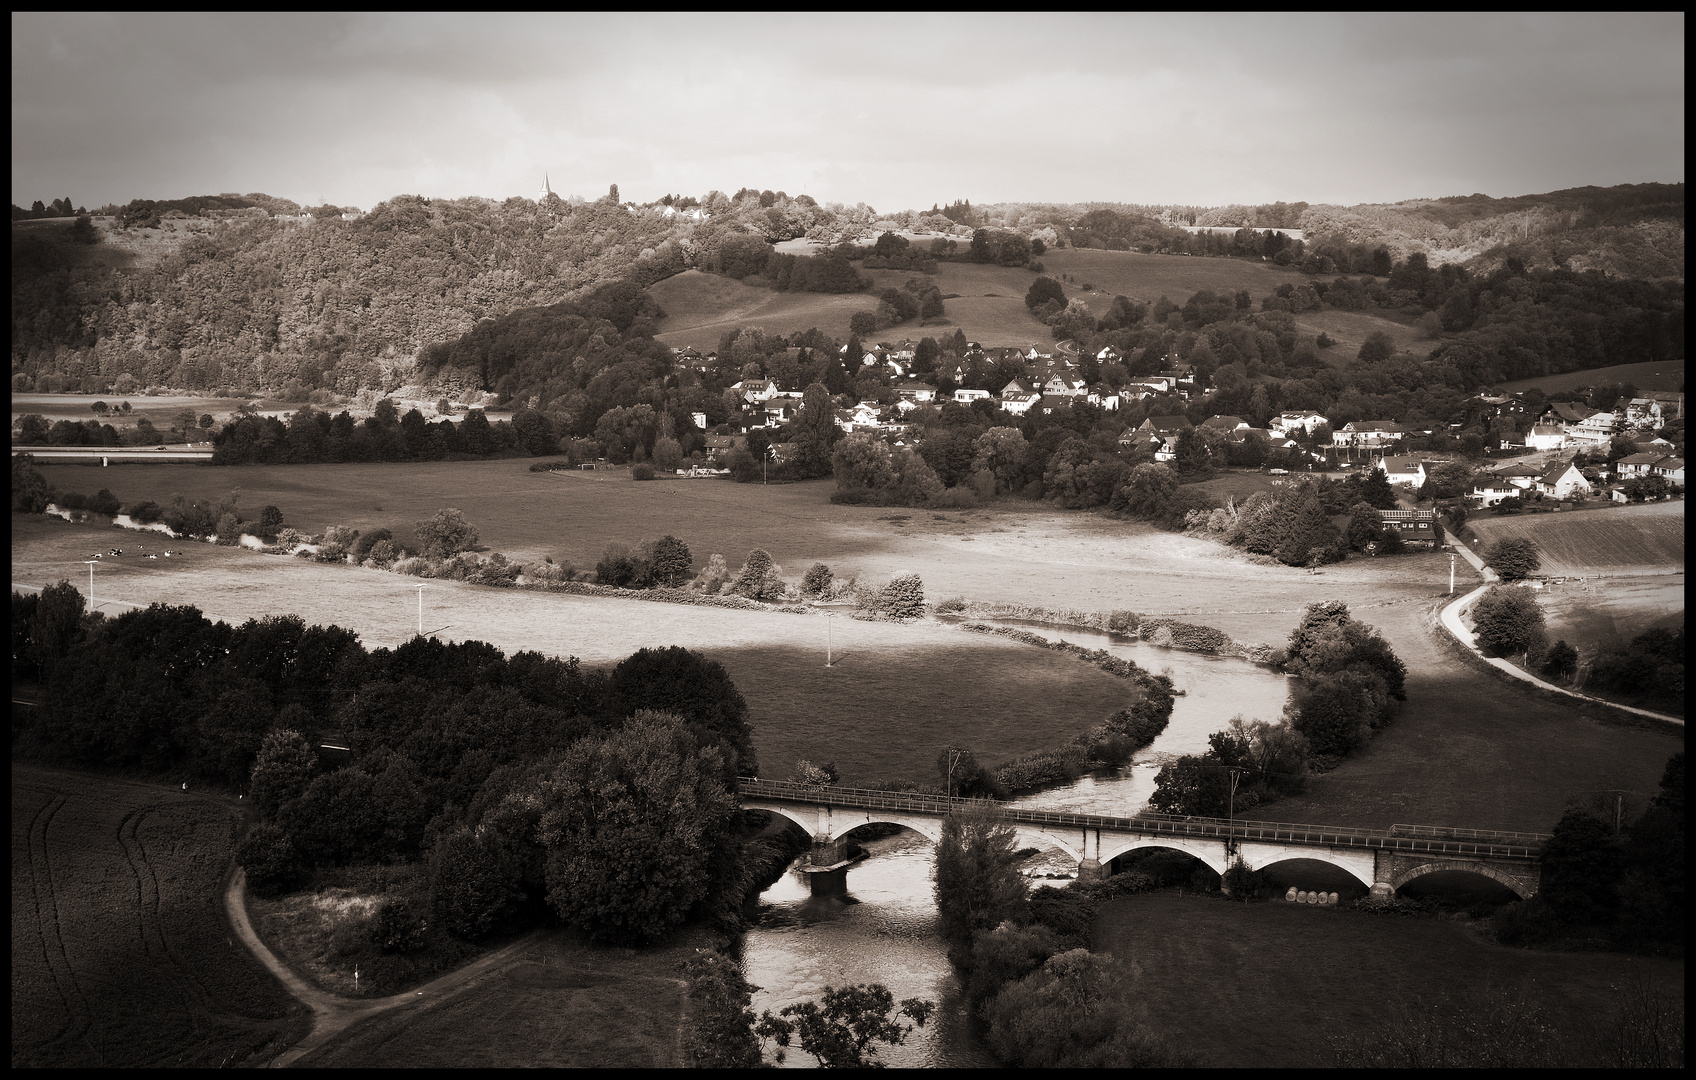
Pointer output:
x,y
953,756
829,617
90,563
1451,572
1236,774
420,589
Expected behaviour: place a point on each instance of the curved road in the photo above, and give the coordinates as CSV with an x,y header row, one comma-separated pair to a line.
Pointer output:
x,y
331,1013
1451,619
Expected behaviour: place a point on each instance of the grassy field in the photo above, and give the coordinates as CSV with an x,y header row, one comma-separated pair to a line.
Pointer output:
x,y
1587,612
567,1004
1470,747
1350,329
989,302
896,695
1651,375
162,410
1270,984
121,956
1611,541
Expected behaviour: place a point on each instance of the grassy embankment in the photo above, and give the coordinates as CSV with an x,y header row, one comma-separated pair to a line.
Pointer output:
x,y
121,956
1272,983
1467,749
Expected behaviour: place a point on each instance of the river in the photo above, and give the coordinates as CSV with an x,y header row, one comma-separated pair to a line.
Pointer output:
x,y
884,930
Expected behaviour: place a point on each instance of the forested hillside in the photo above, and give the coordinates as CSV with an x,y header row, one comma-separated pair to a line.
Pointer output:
x,y
259,295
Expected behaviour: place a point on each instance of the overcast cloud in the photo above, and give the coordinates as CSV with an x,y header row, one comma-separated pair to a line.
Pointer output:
x,y
896,111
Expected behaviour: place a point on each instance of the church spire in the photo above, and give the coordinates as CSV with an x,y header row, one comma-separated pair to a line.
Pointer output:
x,y
542,196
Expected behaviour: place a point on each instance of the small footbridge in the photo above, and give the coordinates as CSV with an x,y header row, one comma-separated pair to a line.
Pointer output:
x,y
1381,860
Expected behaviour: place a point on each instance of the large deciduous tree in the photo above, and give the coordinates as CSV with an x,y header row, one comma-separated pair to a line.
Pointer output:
x,y
446,534
1507,620
632,825
976,885
1513,558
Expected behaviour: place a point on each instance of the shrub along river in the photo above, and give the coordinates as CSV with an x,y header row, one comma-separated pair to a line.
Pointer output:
x,y
884,929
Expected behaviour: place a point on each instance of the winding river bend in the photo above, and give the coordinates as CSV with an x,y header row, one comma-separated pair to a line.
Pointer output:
x,y
884,930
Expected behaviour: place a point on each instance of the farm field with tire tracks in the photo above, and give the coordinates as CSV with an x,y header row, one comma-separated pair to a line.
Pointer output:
x,y
121,955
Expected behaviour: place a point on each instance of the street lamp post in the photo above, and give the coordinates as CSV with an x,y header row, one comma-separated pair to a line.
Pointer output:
x,y
90,563
829,618
420,589
1236,774
1451,573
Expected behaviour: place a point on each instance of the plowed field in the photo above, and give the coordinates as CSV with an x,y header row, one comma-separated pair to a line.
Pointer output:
x,y
121,956
1629,540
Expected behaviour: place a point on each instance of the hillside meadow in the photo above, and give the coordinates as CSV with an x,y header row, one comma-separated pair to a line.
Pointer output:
x,y
988,302
121,956
1608,541
1651,375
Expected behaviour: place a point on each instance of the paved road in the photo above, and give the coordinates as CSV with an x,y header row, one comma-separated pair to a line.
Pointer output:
x,y
1451,619
331,1013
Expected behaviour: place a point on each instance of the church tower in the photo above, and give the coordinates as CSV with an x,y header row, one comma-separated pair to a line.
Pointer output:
x,y
542,196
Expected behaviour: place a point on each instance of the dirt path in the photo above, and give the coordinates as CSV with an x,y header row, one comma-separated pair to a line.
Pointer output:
x,y
331,1013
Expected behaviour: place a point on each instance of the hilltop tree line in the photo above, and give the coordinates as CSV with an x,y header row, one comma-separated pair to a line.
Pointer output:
x,y
528,785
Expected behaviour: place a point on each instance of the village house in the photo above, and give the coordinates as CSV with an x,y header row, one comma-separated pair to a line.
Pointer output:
x,y
1417,528
1562,480
1670,469
1016,403
1368,434
756,390
1105,398
1061,386
1491,490
719,446
966,397
1545,435
921,393
1402,469
1642,412
1225,423
1636,464
1286,423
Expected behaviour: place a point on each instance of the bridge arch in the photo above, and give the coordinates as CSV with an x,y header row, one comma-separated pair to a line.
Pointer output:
x,y
1352,867
1211,853
930,830
1481,869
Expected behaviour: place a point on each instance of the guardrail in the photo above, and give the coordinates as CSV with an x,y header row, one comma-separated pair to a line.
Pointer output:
x,y
1446,833
1511,846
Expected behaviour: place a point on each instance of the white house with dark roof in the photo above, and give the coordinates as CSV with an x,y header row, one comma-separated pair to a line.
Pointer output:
x,y
918,392
1636,464
1669,468
1562,480
1402,469
966,397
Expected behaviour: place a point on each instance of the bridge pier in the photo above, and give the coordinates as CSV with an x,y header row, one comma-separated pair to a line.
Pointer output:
x,y
1383,875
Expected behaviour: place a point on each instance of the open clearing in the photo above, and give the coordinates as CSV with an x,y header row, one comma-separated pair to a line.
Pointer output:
x,y
989,305
562,1004
1252,985
1585,613
1613,541
1651,375
121,956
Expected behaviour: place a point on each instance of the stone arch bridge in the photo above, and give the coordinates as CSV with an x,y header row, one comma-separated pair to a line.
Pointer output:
x,y
1382,860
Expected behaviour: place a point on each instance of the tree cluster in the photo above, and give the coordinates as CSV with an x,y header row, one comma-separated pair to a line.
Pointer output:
x,y
522,780
1350,682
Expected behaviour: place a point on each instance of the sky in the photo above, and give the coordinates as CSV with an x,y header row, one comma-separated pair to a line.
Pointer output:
x,y
899,111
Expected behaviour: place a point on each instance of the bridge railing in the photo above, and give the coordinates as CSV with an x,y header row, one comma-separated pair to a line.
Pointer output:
x,y
1513,846
1444,832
